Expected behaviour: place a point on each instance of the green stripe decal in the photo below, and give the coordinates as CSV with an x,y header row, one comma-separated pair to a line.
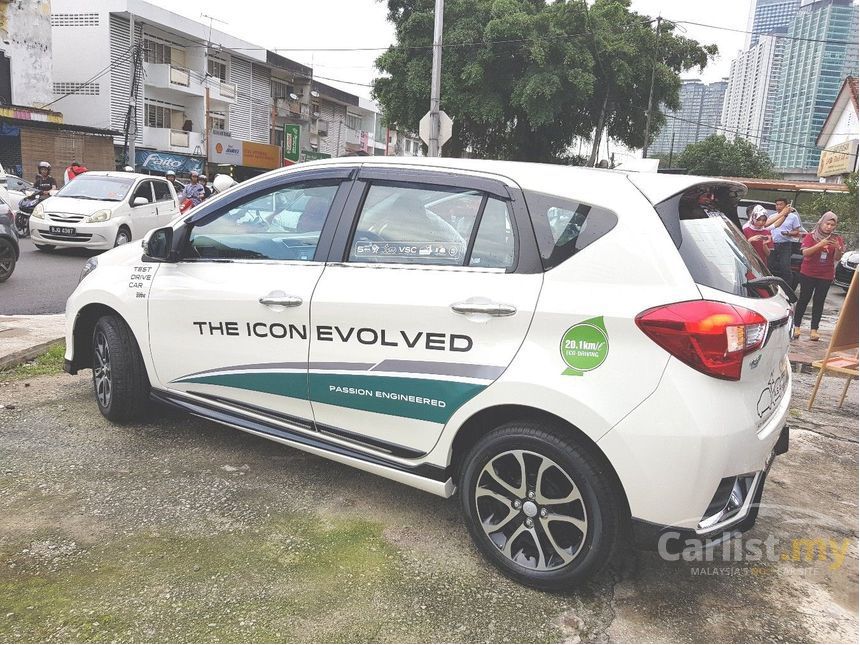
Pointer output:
x,y
413,398
294,384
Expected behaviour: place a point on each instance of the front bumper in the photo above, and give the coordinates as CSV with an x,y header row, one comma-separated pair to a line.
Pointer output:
x,y
86,236
717,527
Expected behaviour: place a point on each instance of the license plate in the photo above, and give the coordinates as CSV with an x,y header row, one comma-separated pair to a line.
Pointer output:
x,y
61,230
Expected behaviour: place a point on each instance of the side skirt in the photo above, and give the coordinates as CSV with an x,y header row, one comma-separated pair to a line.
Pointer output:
x,y
426,477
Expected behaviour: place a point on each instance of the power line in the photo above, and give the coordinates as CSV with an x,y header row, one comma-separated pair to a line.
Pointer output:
x,y
783,36
97,76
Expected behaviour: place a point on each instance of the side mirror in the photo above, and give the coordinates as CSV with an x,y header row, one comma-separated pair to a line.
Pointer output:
x,y
140,201
158,244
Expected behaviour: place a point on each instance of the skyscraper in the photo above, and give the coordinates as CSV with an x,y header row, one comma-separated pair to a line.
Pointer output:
x,y
751,94
820,52
696,119
770,17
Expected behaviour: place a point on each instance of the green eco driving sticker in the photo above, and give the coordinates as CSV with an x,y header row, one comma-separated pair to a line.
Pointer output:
x,y
585,346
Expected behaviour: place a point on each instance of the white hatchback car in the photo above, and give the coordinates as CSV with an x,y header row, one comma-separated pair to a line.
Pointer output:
x,y
101,210
578,352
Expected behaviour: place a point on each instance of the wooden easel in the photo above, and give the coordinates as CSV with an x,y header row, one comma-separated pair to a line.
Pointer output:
x,y
844,338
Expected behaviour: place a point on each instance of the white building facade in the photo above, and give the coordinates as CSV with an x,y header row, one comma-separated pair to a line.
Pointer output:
x,y
25,53
751,92
839,135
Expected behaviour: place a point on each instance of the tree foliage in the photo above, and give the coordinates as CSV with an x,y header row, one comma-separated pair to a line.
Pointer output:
x,y
718,157
522,78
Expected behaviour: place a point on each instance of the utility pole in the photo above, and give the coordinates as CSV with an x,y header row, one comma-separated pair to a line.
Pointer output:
x,y
129,146
206,121
651,91
672,146
434,149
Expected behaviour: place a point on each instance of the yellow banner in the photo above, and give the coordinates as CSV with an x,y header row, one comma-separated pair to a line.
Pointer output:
x,y
839,159
260,155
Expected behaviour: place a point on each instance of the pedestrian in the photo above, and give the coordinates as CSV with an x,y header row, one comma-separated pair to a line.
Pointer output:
x,y
193,191
207,191
822,249
44,183
74,169
784,233
756,231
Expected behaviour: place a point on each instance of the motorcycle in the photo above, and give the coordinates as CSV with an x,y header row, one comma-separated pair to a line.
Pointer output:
x,y
25,209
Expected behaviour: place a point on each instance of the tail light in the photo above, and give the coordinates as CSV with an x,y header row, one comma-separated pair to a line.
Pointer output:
x,y
711,337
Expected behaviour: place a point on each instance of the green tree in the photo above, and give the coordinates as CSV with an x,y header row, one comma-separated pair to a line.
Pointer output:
x,y
522,78
718,157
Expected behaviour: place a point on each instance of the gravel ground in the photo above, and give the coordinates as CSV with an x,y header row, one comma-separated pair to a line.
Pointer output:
x,y
182,530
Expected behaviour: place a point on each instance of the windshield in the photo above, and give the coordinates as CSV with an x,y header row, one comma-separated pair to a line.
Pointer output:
x,y
106,189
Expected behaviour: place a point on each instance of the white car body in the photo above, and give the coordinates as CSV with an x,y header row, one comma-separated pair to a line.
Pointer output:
x,y
14,189
672,434
64,220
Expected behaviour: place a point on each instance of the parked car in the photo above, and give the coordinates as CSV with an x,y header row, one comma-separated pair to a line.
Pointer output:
x,y
770,207
100,210
845,269
9,250
15,189
498,351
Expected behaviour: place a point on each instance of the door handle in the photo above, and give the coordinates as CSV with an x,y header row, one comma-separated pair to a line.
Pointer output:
x,y
280,301
488,308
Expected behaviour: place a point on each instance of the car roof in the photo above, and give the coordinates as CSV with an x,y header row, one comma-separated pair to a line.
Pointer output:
x,y
541,177
118,173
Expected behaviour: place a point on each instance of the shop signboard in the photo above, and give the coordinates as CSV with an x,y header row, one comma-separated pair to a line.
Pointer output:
x,y
161,162
292,137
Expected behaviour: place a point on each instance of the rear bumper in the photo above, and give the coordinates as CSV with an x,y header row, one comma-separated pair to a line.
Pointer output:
x,y
654,537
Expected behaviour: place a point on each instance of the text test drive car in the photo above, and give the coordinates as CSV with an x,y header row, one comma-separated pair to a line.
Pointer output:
x,y
100,210
493,347
9,250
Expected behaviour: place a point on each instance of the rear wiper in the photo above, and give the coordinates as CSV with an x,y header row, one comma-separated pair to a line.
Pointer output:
x,y
769,280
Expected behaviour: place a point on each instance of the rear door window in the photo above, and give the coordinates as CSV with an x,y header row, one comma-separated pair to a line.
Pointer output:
x,y
564,227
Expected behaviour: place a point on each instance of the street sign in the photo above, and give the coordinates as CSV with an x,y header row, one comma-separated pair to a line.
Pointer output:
x,y
445,125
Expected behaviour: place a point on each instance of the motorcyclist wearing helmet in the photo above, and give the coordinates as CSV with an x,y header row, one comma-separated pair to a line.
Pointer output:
x,y
44,183
171,177
207,191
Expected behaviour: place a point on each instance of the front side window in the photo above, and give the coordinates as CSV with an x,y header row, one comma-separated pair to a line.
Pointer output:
x,y
162,191
416,224
144,190
282,224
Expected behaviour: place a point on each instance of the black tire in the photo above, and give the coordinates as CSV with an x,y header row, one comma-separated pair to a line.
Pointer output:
x,y
120,381
44,247
8,259
569,553
122,234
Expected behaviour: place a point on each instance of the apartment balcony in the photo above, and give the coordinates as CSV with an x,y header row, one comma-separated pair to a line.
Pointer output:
x,y
170,139
172,77
287,108
221,91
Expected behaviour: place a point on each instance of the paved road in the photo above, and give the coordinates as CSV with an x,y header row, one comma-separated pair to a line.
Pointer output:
x,y
42,281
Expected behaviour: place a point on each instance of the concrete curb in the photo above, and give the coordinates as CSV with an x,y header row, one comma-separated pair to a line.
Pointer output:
x,y
22,356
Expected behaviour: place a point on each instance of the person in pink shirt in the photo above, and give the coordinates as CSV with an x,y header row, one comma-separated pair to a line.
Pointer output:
x,y
757,233
822,249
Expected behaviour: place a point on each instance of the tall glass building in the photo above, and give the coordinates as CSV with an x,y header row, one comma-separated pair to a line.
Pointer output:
x,y
820,52
696,119
770,17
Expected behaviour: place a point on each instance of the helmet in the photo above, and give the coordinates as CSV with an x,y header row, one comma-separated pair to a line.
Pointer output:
x,y
44,164
128,169
203,178
170,173
222,182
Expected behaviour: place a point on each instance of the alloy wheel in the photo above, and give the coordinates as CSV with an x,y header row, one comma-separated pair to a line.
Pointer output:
x,y
531,510
121,238
102,370
7,259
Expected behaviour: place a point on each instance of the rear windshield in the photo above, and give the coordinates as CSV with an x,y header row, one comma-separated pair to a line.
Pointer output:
x,y
716,252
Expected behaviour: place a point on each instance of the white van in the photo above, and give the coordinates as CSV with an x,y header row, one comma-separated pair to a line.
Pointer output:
x,y
101,210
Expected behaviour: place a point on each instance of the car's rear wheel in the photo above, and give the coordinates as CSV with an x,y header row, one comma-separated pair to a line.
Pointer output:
x,y
539,506
123,236
8,259
120,381
45,247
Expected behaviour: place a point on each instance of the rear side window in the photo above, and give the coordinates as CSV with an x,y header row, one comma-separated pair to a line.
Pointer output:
x,y
564,227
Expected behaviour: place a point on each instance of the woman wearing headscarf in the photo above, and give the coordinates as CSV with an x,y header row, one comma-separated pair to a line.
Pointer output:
x,y
822,249
756,231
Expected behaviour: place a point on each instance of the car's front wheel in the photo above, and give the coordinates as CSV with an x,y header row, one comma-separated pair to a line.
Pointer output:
x,y
542,508
123,236
120,381
8,259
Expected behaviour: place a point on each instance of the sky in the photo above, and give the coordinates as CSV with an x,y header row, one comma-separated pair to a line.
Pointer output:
x,y
295,24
